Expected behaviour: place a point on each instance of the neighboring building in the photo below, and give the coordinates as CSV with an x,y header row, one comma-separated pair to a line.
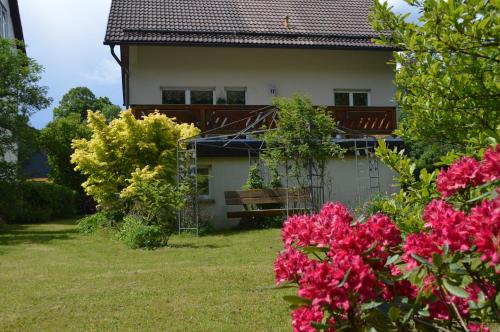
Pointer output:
x,y
212,62
11,28
10,20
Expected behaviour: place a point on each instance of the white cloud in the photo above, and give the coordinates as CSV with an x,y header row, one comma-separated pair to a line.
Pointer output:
x,y
106,72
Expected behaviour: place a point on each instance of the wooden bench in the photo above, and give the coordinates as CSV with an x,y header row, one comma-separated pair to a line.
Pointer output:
x,y
265,197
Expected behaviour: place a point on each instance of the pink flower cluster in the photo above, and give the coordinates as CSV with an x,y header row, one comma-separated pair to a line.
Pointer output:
x,y
339,264
468,172
346,277
458,231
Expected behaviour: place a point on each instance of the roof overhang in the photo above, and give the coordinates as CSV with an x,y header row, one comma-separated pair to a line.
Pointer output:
x,y
16,22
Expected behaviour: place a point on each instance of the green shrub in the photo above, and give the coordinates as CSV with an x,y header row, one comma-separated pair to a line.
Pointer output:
x,y
90,224
136,234
33,202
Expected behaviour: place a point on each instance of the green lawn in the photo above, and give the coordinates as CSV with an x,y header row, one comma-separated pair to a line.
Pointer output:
x,y
53,278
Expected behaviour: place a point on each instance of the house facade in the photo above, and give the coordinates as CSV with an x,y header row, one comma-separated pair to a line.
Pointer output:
x,y
10,28
214,62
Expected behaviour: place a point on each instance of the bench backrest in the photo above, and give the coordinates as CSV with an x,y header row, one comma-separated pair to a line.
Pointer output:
x,y
266,196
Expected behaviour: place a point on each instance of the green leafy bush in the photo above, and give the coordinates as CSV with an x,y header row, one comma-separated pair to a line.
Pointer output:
x,y
136,234
406,206
33,202
90,224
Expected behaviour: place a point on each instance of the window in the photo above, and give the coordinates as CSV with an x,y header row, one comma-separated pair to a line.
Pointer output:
x,y
351,98
186,96
3,21
174,96
202,97
204,182
342,99
236,96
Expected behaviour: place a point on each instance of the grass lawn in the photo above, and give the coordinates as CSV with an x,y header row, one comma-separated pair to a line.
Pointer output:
x,y
53,278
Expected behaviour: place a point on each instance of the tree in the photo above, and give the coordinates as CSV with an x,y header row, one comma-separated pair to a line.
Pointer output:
x,y
79,100
20,96
448,69
303,139
56,140
122,156
69,123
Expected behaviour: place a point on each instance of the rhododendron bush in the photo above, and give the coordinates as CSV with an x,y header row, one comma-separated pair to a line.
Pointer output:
x,y
362,275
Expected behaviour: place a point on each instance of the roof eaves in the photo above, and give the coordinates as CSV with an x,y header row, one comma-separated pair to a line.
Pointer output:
x,y
16,22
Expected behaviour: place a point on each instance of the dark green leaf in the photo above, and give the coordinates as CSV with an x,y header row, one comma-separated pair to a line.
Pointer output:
x,y
421,260
346,275
394,313
455,290
392,260
370,305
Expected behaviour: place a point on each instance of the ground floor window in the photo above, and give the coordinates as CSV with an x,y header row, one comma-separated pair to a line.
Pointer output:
x,y
204,182
351,98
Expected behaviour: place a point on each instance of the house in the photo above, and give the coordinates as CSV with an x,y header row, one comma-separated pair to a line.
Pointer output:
x,y
11,28
213,62
10,20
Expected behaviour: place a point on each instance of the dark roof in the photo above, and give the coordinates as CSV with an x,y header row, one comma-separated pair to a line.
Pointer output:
x,y
16,20
258,23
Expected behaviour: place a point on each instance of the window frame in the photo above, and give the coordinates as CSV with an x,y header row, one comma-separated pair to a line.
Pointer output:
x,y
209,180
351,93
4,25
236,89
174,89
187,91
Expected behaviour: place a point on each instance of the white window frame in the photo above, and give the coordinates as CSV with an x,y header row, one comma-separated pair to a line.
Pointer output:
x,y
230,88
4,27
209,177
187,91
351,98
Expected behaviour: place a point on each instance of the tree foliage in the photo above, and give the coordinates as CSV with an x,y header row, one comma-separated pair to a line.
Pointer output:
x,y
303,138
448,69
69,123
81,99
20,96
120,156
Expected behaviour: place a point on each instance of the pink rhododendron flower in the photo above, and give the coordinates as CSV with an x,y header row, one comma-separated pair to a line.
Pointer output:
x,y
422,245
460,175
490,165
484,224
447,225
477,327
290,265
325,284
303,317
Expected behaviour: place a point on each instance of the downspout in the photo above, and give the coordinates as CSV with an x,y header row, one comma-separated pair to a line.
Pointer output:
x,y
126,75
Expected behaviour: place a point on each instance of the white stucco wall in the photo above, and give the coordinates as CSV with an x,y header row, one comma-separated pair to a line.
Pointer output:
x,y
313,72
10,27
10,152
230,173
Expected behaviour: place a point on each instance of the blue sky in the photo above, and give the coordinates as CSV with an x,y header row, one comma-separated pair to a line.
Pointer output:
x,y
65,36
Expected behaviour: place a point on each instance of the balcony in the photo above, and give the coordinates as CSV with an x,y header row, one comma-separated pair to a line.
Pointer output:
x,y
229,119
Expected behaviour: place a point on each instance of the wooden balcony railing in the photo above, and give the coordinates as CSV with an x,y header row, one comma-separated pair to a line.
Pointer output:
x,y
229,119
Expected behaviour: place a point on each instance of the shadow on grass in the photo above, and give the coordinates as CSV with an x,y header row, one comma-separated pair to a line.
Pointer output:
x,y
31,234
